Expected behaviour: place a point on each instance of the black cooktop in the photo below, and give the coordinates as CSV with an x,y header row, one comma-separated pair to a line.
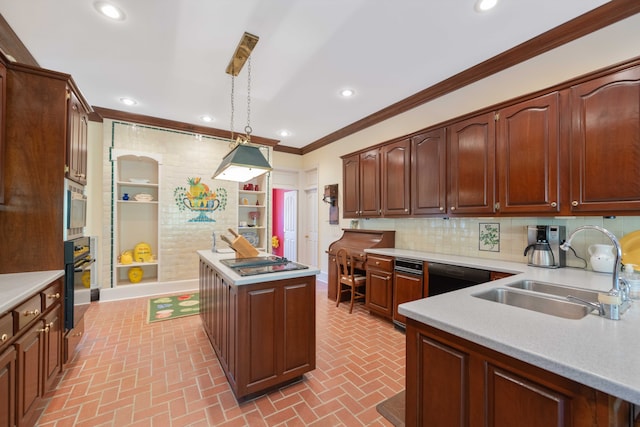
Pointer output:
x,y
261,265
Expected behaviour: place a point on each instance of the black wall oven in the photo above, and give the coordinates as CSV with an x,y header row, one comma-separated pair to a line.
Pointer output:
x,y
77,294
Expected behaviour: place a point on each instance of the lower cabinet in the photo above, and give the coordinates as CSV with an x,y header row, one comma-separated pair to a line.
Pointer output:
x,y
263,333
406,288
379,287
8,387
31,359
453,382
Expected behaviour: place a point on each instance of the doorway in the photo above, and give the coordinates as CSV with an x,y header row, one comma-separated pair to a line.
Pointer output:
x,y
285,223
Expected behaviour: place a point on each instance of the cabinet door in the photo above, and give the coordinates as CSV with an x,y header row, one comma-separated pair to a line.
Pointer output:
x,y
370,184
52,357
406,287
528,156
396,178
471,156
378,293
8,387
332,279
429,173
29,366
76,141
605,143
351,184
437,383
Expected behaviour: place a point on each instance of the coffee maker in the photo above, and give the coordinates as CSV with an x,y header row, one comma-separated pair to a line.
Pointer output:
x,y
543,247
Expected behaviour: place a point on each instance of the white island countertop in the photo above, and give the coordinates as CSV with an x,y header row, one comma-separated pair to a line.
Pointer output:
x,y
16,287
214,260
600,353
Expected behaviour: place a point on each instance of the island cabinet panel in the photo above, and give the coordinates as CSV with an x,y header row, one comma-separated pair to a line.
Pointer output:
x,y
605,143
454,382
30,349
262,333
429,173
528,156
396,178
471,154
7,387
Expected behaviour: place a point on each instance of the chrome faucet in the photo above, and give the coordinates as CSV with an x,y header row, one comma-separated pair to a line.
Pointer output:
x,y
618,292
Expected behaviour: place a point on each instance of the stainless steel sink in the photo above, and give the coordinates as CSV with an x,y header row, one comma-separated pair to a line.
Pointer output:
x,y
558,290
541,304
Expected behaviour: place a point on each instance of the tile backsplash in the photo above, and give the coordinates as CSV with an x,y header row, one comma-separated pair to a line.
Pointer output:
x,y
460,236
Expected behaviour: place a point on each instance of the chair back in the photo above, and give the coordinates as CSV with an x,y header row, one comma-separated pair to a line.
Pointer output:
x,y
345,266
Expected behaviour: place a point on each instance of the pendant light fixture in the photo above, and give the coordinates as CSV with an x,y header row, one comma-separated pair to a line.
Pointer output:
x,y
245,161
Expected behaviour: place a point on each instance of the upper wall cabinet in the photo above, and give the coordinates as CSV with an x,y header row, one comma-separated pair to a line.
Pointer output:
x,y
471,154
3,107
361,180
605,143
527,156
396,178
76,152
429,173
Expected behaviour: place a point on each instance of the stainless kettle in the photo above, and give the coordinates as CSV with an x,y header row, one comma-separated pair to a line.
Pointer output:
x,y
540,254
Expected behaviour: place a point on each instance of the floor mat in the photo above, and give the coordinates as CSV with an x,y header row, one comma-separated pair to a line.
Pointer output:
x,y
393,409
173,306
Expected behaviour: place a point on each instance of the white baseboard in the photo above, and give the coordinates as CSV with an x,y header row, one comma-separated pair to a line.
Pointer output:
x,y
148,289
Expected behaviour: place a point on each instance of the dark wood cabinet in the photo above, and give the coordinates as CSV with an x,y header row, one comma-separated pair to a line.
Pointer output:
x,y
361,181
262,333
495,275
406,288
378,293
370,184
454,382
429,173
3,107
396,178
7,387
36,128
76,149
528,156
471,168
605,143
29,366
53,355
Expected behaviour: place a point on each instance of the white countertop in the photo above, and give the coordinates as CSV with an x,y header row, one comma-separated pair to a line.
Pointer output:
x,y
16,287
214,260
595,351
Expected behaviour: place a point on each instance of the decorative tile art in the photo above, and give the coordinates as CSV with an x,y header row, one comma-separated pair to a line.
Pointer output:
x,y
489,237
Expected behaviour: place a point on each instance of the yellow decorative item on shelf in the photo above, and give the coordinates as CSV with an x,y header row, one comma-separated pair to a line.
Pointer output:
x,y
126,257
142,252
86,279
135,274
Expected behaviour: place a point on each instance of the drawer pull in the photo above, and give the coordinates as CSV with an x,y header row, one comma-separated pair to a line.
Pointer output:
x,y
377,262
46,329
4,338
77,334
31,313
54,296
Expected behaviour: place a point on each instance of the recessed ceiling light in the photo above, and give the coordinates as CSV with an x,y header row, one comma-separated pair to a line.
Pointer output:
x,y
284,133
128,101
347,93
206,119
109,10
484,5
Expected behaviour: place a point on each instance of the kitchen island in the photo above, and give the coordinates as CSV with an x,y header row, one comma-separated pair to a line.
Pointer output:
x,y
488,358
262,327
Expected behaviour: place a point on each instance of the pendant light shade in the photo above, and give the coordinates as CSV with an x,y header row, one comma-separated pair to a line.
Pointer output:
x,y
241,164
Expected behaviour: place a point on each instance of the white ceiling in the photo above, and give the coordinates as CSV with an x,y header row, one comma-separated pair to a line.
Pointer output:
x,y
171,55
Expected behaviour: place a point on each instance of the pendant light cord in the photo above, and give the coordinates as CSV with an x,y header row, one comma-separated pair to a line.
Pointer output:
x,y
247,128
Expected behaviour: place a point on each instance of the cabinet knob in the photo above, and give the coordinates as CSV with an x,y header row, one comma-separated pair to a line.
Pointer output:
x,y
406,210
574,203
377,262
54,296
4,338
441,208
453,208
45,329
554,204
31,313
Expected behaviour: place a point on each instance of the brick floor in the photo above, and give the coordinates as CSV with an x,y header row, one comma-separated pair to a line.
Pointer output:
x,y
128,372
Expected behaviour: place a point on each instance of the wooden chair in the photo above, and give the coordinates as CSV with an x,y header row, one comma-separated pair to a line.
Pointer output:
x,y
348,281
